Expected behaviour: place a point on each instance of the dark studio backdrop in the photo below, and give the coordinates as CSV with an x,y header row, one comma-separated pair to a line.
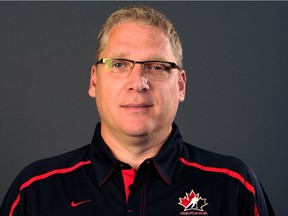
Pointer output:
x,y
235,56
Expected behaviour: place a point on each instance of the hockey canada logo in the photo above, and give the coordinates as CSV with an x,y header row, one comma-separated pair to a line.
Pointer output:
x,y
193,204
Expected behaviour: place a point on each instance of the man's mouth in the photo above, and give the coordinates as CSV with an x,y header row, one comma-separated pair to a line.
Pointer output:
x,y
137,106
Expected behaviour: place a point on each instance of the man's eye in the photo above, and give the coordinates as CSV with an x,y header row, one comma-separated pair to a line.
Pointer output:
x,y
158,67
117,64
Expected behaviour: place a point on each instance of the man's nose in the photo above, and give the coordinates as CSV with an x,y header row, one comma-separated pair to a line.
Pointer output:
x,y
138,81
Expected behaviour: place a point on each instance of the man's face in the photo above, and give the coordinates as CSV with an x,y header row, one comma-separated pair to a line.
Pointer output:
x,y
135,106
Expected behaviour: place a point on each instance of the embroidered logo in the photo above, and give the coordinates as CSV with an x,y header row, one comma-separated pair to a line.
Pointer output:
x,y
74,204
193,204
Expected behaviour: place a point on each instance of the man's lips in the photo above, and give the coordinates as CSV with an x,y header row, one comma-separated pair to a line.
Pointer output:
x,y
137,106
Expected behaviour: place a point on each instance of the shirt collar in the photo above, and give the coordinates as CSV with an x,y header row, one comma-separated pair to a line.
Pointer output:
x,y
103,161
165,162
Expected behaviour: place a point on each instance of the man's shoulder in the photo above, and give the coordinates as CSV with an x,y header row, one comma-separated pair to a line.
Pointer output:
x,y
59,163
212,161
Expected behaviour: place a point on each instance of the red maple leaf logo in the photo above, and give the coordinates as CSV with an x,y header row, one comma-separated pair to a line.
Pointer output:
x,y
190,202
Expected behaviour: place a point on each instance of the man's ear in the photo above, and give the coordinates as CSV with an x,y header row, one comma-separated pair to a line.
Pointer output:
x,y
182,85
93,81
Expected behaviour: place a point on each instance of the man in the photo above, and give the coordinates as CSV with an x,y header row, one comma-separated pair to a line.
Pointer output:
x,y
137,163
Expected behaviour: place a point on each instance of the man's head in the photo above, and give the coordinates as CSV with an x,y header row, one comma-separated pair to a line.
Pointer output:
x,y
132,100
146,15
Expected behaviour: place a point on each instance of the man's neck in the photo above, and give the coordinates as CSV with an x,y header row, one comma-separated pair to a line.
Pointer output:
x,y
134,150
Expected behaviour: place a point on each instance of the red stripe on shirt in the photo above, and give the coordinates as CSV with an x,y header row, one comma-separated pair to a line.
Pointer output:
x,y
221,170
43,176
228,172
256,212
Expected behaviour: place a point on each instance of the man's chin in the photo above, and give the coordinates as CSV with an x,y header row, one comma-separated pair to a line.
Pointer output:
x,y
138,130
137,133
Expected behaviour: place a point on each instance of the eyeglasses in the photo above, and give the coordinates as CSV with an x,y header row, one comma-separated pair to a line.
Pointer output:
x,y
156,70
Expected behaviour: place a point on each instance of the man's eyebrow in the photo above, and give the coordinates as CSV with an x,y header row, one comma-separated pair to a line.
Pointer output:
x,y
127,55
156,58
119,55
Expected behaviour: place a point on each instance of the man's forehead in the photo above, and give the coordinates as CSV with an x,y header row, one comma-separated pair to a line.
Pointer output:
x,y
127,39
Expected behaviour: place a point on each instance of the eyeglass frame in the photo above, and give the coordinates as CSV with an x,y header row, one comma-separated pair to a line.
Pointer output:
x,y
173,65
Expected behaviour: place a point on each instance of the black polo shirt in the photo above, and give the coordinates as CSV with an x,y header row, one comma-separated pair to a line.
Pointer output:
x,y
181,180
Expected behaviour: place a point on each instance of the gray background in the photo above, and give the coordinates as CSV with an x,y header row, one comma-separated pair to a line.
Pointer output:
x,y
235,56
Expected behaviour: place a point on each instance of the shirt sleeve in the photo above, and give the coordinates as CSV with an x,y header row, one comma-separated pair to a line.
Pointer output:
x,y
11,205
260,204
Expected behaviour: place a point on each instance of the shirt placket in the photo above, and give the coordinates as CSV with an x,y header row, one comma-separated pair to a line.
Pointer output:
x,y
136,205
